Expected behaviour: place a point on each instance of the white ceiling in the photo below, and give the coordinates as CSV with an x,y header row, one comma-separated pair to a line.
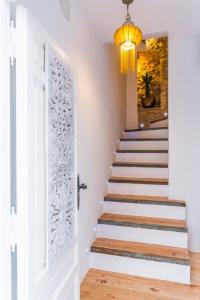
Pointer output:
x,y
176,17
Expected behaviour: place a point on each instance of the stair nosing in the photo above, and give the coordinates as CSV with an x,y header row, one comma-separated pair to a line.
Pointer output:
x,y
141,151
143,201
140,165
136,255
150,181
143,139
146,129
142,224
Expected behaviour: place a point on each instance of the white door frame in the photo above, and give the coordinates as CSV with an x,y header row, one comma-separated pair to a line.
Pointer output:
x,y
5,253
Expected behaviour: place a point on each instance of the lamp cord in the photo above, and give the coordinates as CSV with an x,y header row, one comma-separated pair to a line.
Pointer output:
x,y
128,16
127,9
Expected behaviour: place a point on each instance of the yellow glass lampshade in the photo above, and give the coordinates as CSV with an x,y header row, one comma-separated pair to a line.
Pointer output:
x,y
127,37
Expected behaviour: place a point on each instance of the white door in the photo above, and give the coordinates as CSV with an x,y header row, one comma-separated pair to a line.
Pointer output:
x,y
45,163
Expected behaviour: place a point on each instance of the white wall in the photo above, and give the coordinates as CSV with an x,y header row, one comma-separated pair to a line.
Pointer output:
x,y
131,101
132,96
101,106
184,130
101,120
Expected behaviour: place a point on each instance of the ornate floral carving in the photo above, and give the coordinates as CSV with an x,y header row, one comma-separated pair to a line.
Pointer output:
x,y
60,158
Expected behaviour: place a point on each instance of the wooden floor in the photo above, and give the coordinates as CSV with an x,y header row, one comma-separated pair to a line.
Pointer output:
x,y
100,285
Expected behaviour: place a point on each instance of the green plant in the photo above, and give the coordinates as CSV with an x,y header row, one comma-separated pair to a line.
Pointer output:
x,y
147,79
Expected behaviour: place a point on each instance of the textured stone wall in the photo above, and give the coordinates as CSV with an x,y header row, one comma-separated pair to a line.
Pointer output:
x,y
154,61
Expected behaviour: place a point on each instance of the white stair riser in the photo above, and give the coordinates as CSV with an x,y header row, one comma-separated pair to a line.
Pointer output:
x,y
143,235
140,172
145,210
140,267
138,189
163,123
163,133
143,145
142,157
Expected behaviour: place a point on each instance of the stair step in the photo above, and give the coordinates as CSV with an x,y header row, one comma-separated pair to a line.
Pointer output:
x,y
140,165
151,132
143,222
138,259
154,146
146,129
142,151
159,120
141,251
141,157
144,206
140,170
129,185
144,200
143,139
152,181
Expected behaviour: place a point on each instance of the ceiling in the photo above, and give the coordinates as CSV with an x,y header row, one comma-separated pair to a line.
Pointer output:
x,y
177,17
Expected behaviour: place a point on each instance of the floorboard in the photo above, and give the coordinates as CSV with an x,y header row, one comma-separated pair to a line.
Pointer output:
x,y
100,285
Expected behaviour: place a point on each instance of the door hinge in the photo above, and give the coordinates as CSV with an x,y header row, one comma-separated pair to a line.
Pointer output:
x,y
12,43
13,231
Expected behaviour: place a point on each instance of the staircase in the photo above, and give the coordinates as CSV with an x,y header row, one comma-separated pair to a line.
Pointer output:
x,y
142,232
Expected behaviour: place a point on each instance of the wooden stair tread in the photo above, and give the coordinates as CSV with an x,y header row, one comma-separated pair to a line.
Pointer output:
x,y
144,139
142,151
140,165
146,129
143,222
144,199
141,251
153,181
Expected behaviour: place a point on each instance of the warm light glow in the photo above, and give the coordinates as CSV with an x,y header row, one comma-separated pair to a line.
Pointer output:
x,y
127,45
127,37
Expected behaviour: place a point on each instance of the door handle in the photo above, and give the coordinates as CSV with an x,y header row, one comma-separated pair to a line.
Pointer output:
x,y
80,186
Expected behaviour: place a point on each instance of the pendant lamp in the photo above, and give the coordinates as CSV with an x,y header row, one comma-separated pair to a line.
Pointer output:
x,y
127,37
